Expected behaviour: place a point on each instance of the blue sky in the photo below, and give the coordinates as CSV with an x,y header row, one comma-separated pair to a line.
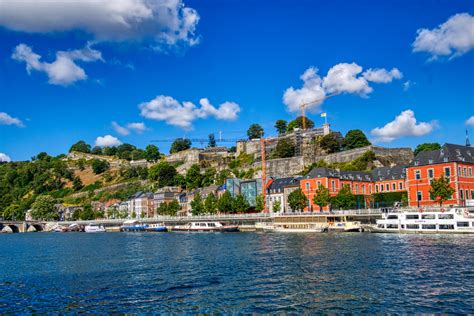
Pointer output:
x,y
242,56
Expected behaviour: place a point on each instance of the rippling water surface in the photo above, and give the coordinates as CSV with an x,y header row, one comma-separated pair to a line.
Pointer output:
x,y
241,272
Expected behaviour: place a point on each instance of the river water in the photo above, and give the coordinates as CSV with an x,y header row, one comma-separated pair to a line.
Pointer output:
x,y
235,272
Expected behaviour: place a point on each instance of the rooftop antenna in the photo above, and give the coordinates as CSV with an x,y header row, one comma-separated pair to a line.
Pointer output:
x,y
468,144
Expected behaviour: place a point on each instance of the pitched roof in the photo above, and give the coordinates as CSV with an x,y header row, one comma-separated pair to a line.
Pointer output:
x,y
447,153
378,174
281,183
389,173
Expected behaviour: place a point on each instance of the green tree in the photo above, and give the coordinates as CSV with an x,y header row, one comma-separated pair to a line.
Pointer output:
x,y
297,200
99,166
13,212
344,198
212,140
137,154
322,197
96,150
284,149
210,204
255,131
81,146
44,208
225,202
163,174
77,184
426,147
197,205
194,177
280,126
329,143
208,177
298,123
124,151
441,190
173,208
355,139
110,151
276,206
240,204
259,203
87,213
152,153
180,144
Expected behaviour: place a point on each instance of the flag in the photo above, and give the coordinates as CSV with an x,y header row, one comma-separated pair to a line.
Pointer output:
x,y
324,114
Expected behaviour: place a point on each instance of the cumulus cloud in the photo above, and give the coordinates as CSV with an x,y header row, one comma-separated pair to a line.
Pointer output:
x,y
107,141
182,114
138,127
163,22
404,124
453,38
63,71
382,75
407,85
341,78
4,158
120,129
470,121
6,119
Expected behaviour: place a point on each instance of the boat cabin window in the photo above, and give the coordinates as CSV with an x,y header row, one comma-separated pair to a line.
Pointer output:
x,y
392,217
445,216
413,226
462,224
428,226
392,226
428,216
202,224
211,224
445,226
411,216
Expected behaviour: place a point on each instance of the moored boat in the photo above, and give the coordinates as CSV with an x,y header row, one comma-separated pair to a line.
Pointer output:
x,y
205,227
156,228
132,226
297,228
353,226
435,221
94,228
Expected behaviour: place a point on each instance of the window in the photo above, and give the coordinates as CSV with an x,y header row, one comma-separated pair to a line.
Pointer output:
x,y
419,196
381,188
428,226
357,188
319,184
370,188
394,187
428,216
464,172
417,174
470,171
400,185
413,216
413,226
376,188
462,224
392,226
392,217
445,226
472,194
430,173
461,195
447,172
459,171
333,185
445,216
363,189
308,187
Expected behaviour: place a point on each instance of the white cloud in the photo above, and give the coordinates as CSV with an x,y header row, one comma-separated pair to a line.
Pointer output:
x,y
341,78
382,75
470,121
107,141
4,158
168,109
6,119
120,129
407,85
405,124
163,22
63,71
137,127
453,38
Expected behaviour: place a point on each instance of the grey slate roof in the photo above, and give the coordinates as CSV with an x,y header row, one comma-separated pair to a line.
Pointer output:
x,y
447,153
278,184
389,173
378,174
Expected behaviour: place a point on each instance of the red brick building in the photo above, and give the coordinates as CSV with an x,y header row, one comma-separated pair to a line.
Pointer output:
x,y
455,162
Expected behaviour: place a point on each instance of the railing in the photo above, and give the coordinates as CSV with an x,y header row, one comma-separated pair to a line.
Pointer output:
x,y
337,212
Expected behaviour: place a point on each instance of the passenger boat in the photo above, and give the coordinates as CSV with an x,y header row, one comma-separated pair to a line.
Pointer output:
x,y
353,226
94,228
132,226
296,227
205,227
453,220
75,228
156,228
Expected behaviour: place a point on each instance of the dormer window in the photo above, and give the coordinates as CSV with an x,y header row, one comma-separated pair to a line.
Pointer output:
x,y
445,159
430,161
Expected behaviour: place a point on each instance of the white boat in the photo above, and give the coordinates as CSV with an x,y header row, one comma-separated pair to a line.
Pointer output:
x,y
205,227
353,226
296,227
93,228
453,220
132,226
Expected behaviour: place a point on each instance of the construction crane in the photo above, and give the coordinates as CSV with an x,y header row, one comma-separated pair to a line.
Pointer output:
x,y
305,104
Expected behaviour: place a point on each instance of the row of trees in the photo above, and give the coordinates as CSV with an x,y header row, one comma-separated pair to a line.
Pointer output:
x,y
225,204
344,199
123,151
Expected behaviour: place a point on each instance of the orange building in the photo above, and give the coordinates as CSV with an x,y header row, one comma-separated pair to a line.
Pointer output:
x,y
362,184
455,162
